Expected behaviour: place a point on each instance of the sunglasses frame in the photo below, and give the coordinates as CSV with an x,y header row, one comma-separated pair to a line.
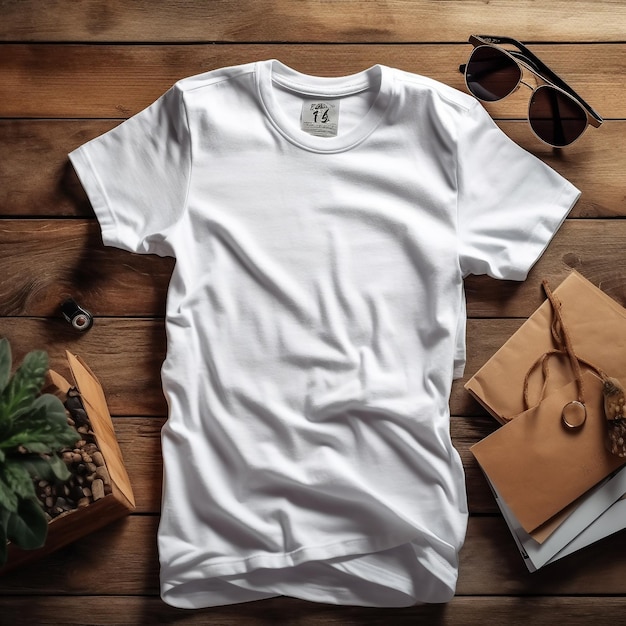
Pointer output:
x,y
525,59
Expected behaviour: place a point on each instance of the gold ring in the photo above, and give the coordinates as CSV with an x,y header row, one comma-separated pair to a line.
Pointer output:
x,y
574,414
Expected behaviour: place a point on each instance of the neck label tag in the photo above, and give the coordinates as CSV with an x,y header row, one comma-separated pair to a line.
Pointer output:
x,y
320,118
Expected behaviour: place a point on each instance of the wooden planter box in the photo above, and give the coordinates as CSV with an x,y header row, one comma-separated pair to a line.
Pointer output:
x,y
79,522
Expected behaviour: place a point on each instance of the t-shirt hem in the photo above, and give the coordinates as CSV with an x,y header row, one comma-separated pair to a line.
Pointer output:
x,y
336,549
216,570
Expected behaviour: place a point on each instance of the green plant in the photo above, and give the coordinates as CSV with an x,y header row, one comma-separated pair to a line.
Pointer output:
x,y
33,428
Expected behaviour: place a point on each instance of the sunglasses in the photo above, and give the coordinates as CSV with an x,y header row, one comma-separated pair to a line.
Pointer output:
x,y
556,113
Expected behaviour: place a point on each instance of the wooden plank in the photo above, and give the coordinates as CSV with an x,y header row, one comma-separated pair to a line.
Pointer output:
x,y
44,260
116,81
140,442
492,565
468,611
36,178
125,354
311,20
489,565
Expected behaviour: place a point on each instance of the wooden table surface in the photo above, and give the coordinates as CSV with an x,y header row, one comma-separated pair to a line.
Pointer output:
x,y
71,70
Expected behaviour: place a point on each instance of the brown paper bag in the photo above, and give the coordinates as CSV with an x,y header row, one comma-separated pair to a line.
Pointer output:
x,y
538,466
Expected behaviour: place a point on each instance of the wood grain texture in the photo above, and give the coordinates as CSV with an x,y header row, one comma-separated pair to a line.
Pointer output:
x,y
463,610
398,21
125,354
116,81
37,180
489,565
46,260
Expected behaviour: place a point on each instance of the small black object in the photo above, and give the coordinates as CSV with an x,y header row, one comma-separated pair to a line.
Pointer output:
x,y
79,318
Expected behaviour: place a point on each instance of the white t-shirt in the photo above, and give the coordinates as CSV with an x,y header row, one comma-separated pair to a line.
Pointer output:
x,y
315,319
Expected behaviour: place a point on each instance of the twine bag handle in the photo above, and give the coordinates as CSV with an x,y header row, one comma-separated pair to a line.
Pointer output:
x,y
574,412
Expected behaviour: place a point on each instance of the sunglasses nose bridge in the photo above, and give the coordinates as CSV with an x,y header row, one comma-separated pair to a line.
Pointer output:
x,y
523,82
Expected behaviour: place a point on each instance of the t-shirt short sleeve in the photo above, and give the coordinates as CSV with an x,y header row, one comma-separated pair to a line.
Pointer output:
x,y
510,203
136,175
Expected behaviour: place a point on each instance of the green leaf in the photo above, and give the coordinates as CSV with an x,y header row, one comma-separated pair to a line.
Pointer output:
x,y
28,528
17,478
8,498
43,428
22,389
5,363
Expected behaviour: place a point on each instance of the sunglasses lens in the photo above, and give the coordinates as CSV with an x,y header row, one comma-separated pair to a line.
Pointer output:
x,y
490,74
555,117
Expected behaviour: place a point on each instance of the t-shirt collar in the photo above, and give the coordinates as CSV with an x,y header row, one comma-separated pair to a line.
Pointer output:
x,y
272,72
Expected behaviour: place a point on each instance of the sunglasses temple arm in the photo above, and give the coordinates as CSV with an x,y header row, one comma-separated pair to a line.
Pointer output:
x,y
542,68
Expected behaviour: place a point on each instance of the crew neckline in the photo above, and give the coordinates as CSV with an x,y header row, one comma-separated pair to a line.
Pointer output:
x,y
272,72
